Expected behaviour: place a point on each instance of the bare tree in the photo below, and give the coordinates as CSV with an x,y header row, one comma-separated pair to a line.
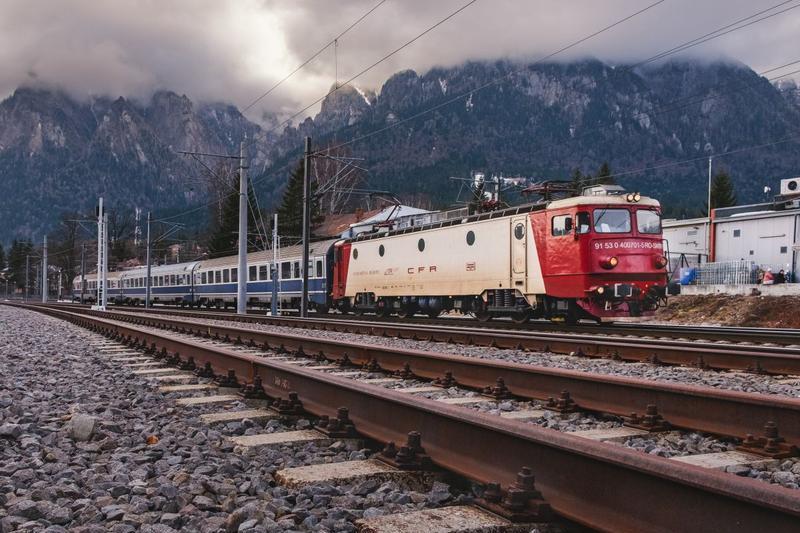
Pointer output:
x,y
337,173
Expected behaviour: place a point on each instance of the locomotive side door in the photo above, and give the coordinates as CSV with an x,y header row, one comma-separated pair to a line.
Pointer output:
x,y
519,240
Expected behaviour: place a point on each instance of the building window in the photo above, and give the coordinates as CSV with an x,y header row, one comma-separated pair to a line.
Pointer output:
x,y
784,249
562,225
470,238
751,252
421,245
737,233
381,250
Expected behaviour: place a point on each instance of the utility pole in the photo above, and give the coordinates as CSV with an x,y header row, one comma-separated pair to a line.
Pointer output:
x,y
241,293
27,274
306,226
710,227
274,267
105,261
83,271
44,271
147,258
102,259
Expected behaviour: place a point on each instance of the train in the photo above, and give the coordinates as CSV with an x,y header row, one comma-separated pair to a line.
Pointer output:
x,y
599,256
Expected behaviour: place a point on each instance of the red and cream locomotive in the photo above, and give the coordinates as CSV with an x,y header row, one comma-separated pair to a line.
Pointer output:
x,y
599,256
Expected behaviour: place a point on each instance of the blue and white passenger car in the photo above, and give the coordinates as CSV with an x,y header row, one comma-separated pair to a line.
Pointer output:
x,y
213,282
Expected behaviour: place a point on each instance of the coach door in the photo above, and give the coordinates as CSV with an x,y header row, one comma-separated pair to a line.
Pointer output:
x,y
519,238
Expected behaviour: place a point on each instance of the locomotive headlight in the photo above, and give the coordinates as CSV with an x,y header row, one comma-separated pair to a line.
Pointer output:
x,y
661,261
637,197
629,197
600,290
609,263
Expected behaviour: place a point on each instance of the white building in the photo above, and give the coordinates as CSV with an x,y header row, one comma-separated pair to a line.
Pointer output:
x,y
766,234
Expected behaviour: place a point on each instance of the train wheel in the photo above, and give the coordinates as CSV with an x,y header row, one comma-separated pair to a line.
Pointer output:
x,y
483,316
521,317
405,312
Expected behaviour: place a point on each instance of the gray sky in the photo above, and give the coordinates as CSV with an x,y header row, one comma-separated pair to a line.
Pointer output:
x,y
234,50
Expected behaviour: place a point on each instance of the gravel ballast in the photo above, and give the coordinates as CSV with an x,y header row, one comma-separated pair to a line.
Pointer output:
x,y
87,446
735,381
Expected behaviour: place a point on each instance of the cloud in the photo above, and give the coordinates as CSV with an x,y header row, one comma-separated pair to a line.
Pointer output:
x,y
233,51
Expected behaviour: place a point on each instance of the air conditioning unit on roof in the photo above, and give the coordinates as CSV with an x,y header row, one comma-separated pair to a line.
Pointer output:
x,y
790,187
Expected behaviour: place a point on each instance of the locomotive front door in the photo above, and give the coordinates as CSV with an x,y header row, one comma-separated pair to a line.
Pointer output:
x,y
519,239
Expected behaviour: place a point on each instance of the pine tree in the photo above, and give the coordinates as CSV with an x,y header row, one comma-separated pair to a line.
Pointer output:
x,y
290,212
16,262
578,180
604,175
225,238
722,193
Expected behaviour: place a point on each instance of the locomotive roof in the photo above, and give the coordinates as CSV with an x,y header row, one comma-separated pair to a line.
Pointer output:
x,y
517,210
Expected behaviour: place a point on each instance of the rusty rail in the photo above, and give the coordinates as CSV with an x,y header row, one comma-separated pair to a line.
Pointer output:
x,y
716,411
772,360
602,486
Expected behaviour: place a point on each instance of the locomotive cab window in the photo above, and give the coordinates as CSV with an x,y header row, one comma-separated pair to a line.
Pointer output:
x,y
583,223
612,221
648,221
562,225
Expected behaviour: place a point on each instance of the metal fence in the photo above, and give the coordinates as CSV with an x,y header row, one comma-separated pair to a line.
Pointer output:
x,y
727,273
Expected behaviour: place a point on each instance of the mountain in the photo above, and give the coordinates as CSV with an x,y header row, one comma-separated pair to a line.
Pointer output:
x,y
546,120
542,121
59,154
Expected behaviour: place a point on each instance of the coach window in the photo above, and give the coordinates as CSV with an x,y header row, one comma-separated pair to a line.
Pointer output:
x,y
470,238
251,273
561,225
217,276
263,272
612,221
172,280
381,250
648,221
226,276
582,222
421,245
203,278
286,270
319,268
234,275
296,269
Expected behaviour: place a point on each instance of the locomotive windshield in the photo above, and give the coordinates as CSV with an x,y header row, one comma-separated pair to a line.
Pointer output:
x,y
648,221
612,221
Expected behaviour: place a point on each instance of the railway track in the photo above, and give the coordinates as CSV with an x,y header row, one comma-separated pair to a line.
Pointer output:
x,y
745,335
599,485
749,358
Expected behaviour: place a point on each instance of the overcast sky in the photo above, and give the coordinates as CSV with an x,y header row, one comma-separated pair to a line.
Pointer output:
x,y
233,51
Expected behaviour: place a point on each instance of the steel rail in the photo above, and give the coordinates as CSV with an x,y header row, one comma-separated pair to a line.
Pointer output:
x,y
729,334
606,487
762,359
716,411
